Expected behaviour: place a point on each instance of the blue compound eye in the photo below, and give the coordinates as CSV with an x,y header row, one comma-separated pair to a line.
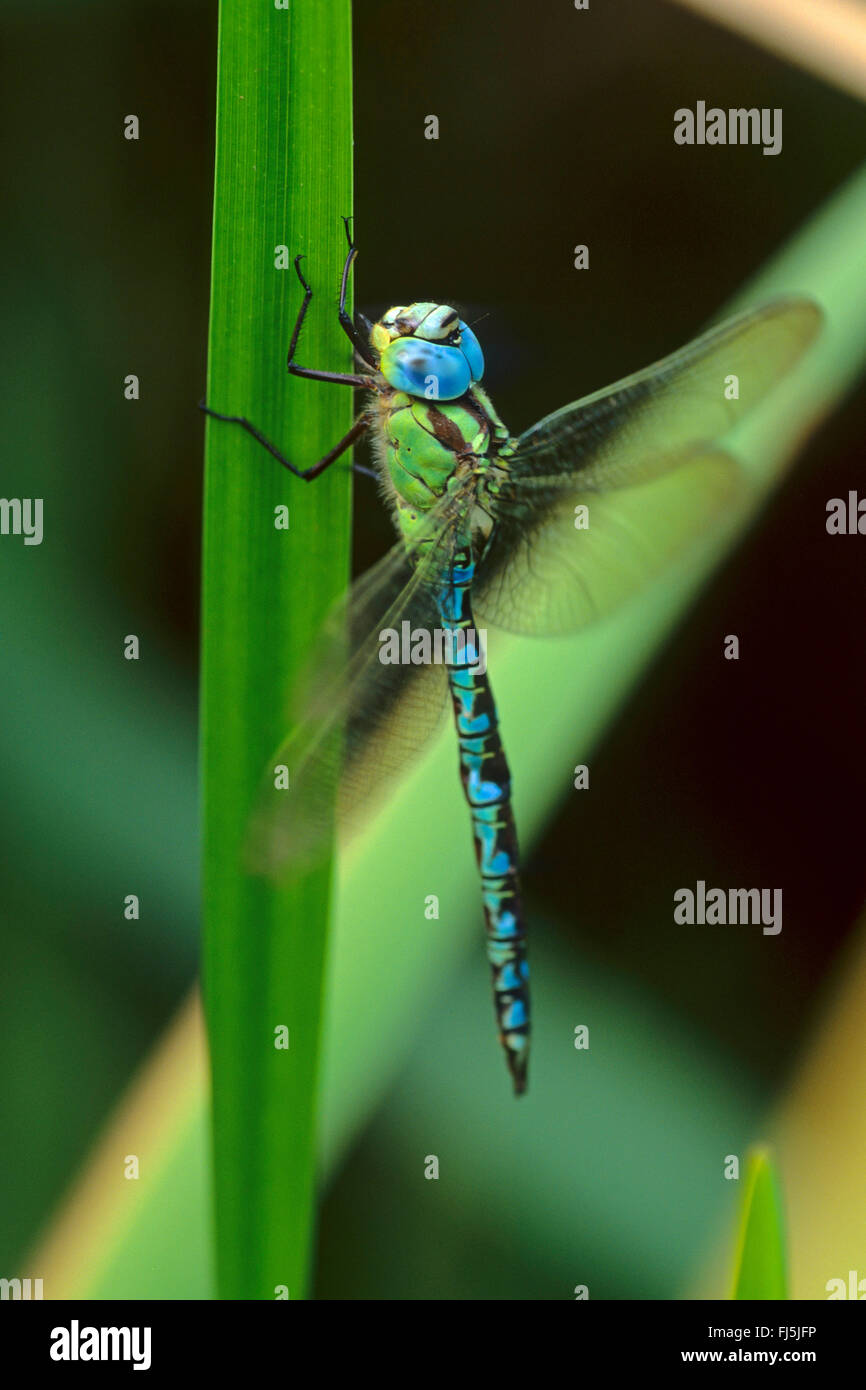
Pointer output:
x,y
471,349
429,370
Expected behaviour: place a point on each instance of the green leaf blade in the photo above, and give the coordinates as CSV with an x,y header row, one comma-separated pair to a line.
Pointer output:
x,y
762,1263
283,179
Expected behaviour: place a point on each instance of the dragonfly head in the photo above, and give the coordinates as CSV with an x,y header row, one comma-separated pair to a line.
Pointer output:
x,y
427,350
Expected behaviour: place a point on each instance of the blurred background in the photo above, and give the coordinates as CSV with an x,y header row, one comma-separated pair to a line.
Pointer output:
x,y
752,771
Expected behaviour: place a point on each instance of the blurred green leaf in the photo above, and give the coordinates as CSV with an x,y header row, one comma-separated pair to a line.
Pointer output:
x,y
605,1174
760,1269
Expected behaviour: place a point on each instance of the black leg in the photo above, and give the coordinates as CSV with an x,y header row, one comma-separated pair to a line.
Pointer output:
x,y
308,474
344,378
359,343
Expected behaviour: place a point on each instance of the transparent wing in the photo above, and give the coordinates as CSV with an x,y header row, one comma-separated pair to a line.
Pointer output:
x,y
357,722
623,433
546,577
639,456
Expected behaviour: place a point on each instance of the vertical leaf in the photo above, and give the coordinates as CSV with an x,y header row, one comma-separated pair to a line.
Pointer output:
x,y
283,179
761,1265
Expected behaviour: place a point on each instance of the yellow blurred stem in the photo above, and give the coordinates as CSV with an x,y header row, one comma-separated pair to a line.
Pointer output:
x,y
819,1139
820,1135
149,1122
826,37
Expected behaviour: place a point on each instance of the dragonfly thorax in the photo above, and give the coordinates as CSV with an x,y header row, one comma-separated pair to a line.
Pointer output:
x,y
436,423
427,350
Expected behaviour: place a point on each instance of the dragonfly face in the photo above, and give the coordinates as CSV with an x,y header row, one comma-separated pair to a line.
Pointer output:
x,y
427,350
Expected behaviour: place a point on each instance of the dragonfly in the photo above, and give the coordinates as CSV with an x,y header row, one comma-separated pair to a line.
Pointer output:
x,y
537,534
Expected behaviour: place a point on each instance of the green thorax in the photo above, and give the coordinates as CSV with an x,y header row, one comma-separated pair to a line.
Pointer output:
x,y
427,442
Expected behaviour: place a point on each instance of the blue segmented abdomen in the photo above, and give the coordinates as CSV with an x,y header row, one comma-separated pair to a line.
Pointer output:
x,y
486,782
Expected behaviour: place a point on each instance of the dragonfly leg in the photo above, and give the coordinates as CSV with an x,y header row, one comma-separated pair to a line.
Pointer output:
x,y
344,378
359,343
308,474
